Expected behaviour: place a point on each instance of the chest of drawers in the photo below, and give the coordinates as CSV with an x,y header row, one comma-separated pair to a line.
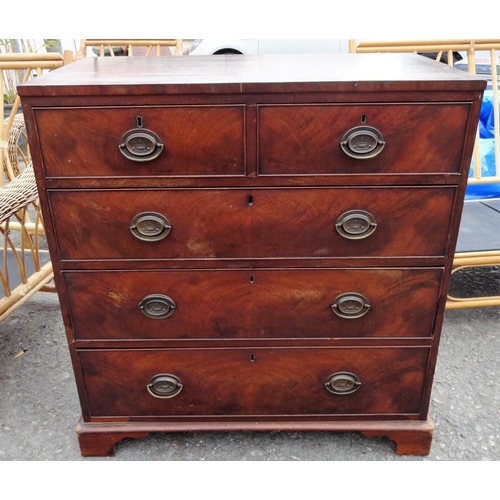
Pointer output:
x,y
253,243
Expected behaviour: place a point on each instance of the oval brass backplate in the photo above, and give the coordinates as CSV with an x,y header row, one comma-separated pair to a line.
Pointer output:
x,y
342,383
350,305
140,145
356,224
157,306
150,226
362,142
164,386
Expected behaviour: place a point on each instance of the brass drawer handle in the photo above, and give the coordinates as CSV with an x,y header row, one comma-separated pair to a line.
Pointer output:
x,y
362,143
157,306
342,383
150,226
140,145
350,305
164,386
356,224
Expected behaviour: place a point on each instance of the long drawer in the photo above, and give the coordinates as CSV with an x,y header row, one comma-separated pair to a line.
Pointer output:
x,y
252,223
273,381
196,141
361,139
251,303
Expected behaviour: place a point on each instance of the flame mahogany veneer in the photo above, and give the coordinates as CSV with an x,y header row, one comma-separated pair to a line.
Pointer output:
x,y
253,243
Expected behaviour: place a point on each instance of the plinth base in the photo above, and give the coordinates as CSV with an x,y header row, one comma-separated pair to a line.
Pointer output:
x,y
412,437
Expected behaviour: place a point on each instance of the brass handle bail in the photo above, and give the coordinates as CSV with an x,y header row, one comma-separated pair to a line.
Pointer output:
x,y
356,224
140,144
164,386
342,383
350,305
362,142
150,226
157,306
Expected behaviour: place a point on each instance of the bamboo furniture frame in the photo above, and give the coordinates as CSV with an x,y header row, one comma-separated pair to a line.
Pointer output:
x,y
21,224
104,44
464,259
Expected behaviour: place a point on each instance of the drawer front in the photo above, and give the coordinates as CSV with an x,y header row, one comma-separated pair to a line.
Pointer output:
x,y
274,381
306,139
197,141
256,223
228,304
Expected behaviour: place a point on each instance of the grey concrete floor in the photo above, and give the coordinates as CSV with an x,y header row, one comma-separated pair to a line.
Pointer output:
x,y
39,407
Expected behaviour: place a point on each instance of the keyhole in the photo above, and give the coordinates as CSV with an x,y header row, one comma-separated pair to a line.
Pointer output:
x,y
251,279
250,201
252,358
363,118
140,122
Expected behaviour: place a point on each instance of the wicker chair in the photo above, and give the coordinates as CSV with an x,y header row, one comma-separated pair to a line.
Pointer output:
x,y
25,267
478,211
107,46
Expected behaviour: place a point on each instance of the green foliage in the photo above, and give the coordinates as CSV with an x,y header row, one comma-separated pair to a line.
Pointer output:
x,y
9,97
50,42
8,43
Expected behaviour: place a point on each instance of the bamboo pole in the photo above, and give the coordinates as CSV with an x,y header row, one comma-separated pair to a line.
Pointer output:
x,y
496,111
138,42
178,47
450,58
411,48
31,227
129,43
489,253
464,261
24,291
426,45
68,57
484,180
476,155
31,56
455,303
24,65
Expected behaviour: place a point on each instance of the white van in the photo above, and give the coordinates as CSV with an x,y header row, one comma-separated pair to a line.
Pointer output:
x,y
211,46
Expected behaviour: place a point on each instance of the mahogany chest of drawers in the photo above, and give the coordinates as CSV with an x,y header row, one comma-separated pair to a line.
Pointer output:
x,y
253,243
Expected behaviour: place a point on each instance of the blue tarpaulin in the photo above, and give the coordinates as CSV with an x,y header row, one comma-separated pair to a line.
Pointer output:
x,y
487,149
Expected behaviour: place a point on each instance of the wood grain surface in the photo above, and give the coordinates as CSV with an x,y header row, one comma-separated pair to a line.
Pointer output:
x,y
277,381
197,140
418,138
253,303
257,223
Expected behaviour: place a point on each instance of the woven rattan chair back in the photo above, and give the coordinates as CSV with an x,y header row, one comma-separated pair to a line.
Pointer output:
x,y
25,266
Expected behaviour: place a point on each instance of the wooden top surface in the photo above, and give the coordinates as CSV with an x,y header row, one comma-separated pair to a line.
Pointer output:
x,y
243,74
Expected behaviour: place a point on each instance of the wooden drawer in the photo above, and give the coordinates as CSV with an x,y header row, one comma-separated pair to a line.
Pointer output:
x,y
252,223
273,381
305,139
198,140
254,303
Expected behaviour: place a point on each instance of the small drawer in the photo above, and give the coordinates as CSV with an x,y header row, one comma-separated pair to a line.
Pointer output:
x,y
142,141
252,223
253,303
361,139
256,382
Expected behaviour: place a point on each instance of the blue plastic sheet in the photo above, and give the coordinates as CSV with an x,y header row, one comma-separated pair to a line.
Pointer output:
x,y
487,148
